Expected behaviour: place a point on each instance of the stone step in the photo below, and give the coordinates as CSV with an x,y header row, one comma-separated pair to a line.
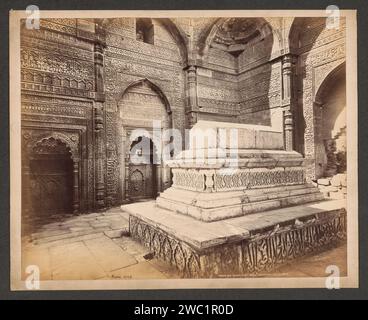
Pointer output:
x,y
228,198
229,211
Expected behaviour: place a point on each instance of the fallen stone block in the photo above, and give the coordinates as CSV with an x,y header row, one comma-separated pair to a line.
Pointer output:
x,y
114,233
324,182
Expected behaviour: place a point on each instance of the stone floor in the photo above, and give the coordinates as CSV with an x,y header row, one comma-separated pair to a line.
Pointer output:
x,y
90,246
96,246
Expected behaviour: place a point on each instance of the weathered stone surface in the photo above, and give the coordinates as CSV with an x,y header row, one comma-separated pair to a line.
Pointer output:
x,y
88,256
200,249
203,234
74,262
337,195
204,136
99,224
109,255
339,180
67,236
39,257
318,266
324,182
115,233
143,270
221,205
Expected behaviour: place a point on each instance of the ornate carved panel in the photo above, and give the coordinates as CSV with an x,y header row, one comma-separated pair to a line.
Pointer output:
x,y
46,61
263,252
166,247
136,183
267,251
142,181
258,179
189,179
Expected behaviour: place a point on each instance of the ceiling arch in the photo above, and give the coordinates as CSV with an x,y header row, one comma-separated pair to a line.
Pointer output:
x,y
234,33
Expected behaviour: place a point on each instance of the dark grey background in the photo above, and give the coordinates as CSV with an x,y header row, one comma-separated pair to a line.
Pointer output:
x,y
360,5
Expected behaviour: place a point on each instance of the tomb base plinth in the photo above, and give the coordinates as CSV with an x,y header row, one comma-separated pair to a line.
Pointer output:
x,y
243,246
236,209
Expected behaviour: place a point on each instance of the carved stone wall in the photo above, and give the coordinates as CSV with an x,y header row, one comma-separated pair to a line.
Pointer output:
x,y
330,124
126,62
320,51
57,83
260,89
75,76
241,86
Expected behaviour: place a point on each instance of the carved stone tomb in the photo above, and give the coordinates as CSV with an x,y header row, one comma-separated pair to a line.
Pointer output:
x,y
239,204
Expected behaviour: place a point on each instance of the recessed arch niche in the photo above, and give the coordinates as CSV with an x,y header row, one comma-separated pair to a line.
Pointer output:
x,y
143,109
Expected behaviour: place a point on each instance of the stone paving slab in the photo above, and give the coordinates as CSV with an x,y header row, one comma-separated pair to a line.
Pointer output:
x,y
74,261
89,246
134,248
114,233
72,237
39,257
49,233
143,270
108,254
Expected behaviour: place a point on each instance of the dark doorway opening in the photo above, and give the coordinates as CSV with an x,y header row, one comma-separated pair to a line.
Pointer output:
x,y
50,179
142,183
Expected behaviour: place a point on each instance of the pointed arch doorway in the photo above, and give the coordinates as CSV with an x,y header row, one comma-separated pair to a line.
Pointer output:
x,y
144,177
330,124
143,105
50,178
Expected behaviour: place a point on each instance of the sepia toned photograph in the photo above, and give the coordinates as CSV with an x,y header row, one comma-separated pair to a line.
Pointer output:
x,y
198,149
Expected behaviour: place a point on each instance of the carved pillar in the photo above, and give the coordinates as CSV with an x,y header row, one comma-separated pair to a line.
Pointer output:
x,y
75,186
127,173
192,105
126,167
288,101
99,156
99,126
